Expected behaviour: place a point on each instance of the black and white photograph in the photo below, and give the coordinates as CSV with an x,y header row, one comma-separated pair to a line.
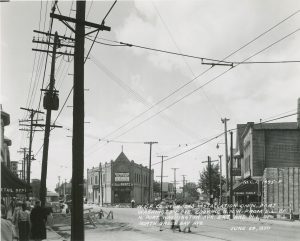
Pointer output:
x,y
150,120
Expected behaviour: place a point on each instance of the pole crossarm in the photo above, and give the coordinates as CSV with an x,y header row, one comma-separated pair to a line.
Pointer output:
x,y
60,45
100,27
46,51
51,34
32,110
20,121
28,130
43,125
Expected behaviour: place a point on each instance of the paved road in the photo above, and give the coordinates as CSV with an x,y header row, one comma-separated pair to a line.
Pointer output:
x,y
127,225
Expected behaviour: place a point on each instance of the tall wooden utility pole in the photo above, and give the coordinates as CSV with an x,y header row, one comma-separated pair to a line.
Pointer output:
x,y
31,130
224,121
183,184
77,223
220,157
23,150
175,182
162,176
150,173
231,174
50,91
100,184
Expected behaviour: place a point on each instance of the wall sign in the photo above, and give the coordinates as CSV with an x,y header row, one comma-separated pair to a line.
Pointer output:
x,y
122,177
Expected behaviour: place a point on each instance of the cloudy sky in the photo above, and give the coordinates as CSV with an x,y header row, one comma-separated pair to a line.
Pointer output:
x,y
124,82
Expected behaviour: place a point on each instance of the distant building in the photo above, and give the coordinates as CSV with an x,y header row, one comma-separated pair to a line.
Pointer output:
x,y
167,191
64,189
14,167
118,182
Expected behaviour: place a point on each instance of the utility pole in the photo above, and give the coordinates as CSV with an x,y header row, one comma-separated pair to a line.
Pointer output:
x,y
77,222
162,176
28,166
150,173
220,157
183,183
49,104
174,169
65,189
209,161
59,192
224,121
23,150
231,176
101,183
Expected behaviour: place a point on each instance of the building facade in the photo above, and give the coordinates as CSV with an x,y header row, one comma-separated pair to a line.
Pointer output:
x,y
261,146
11,185
118,182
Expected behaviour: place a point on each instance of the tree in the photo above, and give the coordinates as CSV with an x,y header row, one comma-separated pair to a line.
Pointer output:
x,y
191,192
35,185
215,180
156,187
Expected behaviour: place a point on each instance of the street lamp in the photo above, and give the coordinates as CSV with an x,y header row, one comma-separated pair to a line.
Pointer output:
x,y
218,145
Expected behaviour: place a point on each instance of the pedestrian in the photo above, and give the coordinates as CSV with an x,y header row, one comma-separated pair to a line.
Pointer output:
x,y
38,220
8,232
11,209
23,222
132,203
15,217
161,219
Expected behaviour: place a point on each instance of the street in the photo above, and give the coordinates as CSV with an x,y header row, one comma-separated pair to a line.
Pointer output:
x,y
127,226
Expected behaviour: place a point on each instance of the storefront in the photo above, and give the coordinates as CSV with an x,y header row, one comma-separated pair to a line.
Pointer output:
x,y
120,181
247,192
11,185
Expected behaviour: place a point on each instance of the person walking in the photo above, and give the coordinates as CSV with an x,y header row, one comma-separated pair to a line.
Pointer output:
x,y
132,203
8,232
38,220
161,219
23,222
15,216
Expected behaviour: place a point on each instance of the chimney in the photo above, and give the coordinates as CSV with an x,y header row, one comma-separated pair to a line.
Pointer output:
x,y
298,115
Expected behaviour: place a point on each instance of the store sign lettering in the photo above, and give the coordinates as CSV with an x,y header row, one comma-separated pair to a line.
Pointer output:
x,y
122,177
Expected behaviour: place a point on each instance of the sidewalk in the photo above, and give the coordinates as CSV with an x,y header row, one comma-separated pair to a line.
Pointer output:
x,y
53,236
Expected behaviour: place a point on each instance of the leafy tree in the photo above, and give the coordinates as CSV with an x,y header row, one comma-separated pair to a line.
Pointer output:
x,y
191,192
215,180
35,186
156,187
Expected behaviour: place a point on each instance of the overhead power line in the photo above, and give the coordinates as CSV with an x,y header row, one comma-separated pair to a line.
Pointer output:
x,y
203,59
188,94
98,31
203,85
217,136
189,82
103,20
210,59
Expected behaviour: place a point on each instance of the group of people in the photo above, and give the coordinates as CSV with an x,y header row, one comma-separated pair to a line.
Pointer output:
x,y
180,218
20,222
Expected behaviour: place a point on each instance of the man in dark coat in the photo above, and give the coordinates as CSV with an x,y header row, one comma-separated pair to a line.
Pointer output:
x,y
38,220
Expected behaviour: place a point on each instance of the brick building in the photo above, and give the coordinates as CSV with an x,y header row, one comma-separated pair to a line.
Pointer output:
x,y
261,146
119,181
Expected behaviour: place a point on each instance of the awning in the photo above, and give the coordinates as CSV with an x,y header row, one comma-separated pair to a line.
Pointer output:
x,y
10,183
246,187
